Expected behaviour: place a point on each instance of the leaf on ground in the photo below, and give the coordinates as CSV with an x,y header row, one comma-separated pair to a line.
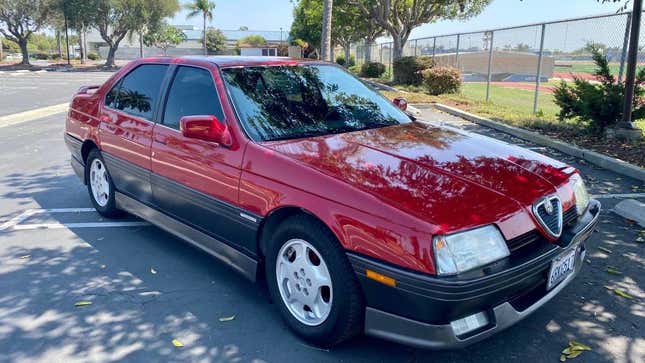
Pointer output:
x,y
563,358
82,303
177,343
103,266
640,239
153,271
227,318
603,249
574,354
100,238
622,293
613,271
578,346
24,257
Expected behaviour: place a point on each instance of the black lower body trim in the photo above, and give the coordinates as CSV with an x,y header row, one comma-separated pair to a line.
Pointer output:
x,y
239,261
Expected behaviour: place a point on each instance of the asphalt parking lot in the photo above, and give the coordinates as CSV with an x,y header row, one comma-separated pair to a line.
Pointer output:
x,y
148,288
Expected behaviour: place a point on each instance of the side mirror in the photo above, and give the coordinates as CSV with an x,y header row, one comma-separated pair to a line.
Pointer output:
x,y
401,103
205,127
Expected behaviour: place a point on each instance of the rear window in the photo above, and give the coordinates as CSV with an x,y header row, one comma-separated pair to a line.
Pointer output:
x,y
138,92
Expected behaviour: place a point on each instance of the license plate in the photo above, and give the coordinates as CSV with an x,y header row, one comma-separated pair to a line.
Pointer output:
x,y
561,267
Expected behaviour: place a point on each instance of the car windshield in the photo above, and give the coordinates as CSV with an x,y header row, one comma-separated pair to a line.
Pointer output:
x,y
289,102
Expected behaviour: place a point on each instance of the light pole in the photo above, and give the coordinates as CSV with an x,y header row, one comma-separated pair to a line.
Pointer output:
x,y
625,127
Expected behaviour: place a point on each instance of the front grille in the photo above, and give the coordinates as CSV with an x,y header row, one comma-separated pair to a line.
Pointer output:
x,y
523,240
551,221
570,216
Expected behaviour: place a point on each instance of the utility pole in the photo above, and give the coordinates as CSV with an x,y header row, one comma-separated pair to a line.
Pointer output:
x,y
626,128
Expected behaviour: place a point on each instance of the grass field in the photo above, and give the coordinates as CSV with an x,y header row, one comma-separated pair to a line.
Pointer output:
x,y
510,105
584,67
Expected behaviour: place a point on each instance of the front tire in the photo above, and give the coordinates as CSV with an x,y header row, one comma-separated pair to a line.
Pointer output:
x,y
100,186
312,282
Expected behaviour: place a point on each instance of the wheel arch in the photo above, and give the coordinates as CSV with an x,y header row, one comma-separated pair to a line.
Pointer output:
x,y
87,146
275,217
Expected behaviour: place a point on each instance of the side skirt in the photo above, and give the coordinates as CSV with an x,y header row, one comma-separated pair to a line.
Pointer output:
x,y
240,262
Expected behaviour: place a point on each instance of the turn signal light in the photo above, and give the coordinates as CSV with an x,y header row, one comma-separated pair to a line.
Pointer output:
x,y
380,278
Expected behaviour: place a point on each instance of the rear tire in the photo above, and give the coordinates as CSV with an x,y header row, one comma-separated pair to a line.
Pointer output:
x,y
100,186
305,265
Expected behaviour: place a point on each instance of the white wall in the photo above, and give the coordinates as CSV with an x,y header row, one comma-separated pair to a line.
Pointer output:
x,y
251,51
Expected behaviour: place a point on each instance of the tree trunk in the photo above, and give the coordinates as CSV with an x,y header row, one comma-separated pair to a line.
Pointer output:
x,y
397,48
204,36
140,45
368,49
325,42
23,49
59,45
81,48
109,61
348,55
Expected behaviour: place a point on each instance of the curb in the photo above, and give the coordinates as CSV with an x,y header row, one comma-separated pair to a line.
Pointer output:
x,y
632,210
606,162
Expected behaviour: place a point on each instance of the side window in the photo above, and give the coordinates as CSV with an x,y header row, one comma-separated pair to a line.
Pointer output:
x,y
138,92
192,93
111,97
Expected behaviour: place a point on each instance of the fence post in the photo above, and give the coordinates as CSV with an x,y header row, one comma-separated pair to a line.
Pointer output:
x,y
380,54
457,52
490,64
416,44
434,46
623,55
539,71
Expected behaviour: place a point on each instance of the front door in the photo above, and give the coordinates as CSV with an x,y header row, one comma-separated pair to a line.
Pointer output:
x,y
193,180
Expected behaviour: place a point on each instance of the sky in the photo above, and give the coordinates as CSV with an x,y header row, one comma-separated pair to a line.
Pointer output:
x,y
273,14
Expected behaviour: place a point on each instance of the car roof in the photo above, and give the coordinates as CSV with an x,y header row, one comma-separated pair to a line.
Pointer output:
x,y
242,61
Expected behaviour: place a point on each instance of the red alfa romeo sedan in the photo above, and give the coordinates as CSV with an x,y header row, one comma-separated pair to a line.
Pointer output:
x,y
359,217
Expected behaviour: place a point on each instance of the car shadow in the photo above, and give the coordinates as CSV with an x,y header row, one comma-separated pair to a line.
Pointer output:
x,y
147,288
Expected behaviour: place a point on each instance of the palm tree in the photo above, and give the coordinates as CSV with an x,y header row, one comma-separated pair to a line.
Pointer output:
x,y
325,43
205,8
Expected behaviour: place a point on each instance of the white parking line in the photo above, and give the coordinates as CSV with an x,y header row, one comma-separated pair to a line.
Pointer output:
x,y
15,222
25,116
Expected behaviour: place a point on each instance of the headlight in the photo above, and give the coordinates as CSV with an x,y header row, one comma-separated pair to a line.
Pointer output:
x,y
464,251
580,193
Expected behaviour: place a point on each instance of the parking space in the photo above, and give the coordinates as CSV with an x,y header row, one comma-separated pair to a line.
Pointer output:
x,y
147,288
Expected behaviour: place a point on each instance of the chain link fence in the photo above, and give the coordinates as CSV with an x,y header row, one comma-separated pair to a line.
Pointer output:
x,y
520,66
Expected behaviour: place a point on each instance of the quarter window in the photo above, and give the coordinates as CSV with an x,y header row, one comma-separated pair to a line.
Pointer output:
x,y
192,93
138,92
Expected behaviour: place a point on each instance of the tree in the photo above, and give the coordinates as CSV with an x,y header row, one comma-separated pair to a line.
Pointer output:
x,y
243,28
114,19
215,41
306,27
79,15
400,17
347,27
326,30
164,37
204,8
252,41
19,19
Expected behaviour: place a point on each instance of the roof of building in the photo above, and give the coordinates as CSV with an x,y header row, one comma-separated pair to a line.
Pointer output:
x,y
233,35
228,61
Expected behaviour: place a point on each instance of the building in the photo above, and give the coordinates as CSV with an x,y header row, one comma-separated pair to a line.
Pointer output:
x,y
192,45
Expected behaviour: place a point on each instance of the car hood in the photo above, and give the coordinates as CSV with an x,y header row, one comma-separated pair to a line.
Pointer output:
x,y
445,176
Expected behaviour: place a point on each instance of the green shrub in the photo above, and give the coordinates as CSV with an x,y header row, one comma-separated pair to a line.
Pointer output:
x,y
355,69
406,69
92,56
440,80
341,60
40,56
55,56
600,103
372,69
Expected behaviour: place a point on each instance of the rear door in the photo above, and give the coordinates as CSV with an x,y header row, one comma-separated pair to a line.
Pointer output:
x,y
127,121
196,181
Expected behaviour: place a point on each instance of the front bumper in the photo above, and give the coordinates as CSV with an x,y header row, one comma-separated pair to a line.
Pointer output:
x,y
419,309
